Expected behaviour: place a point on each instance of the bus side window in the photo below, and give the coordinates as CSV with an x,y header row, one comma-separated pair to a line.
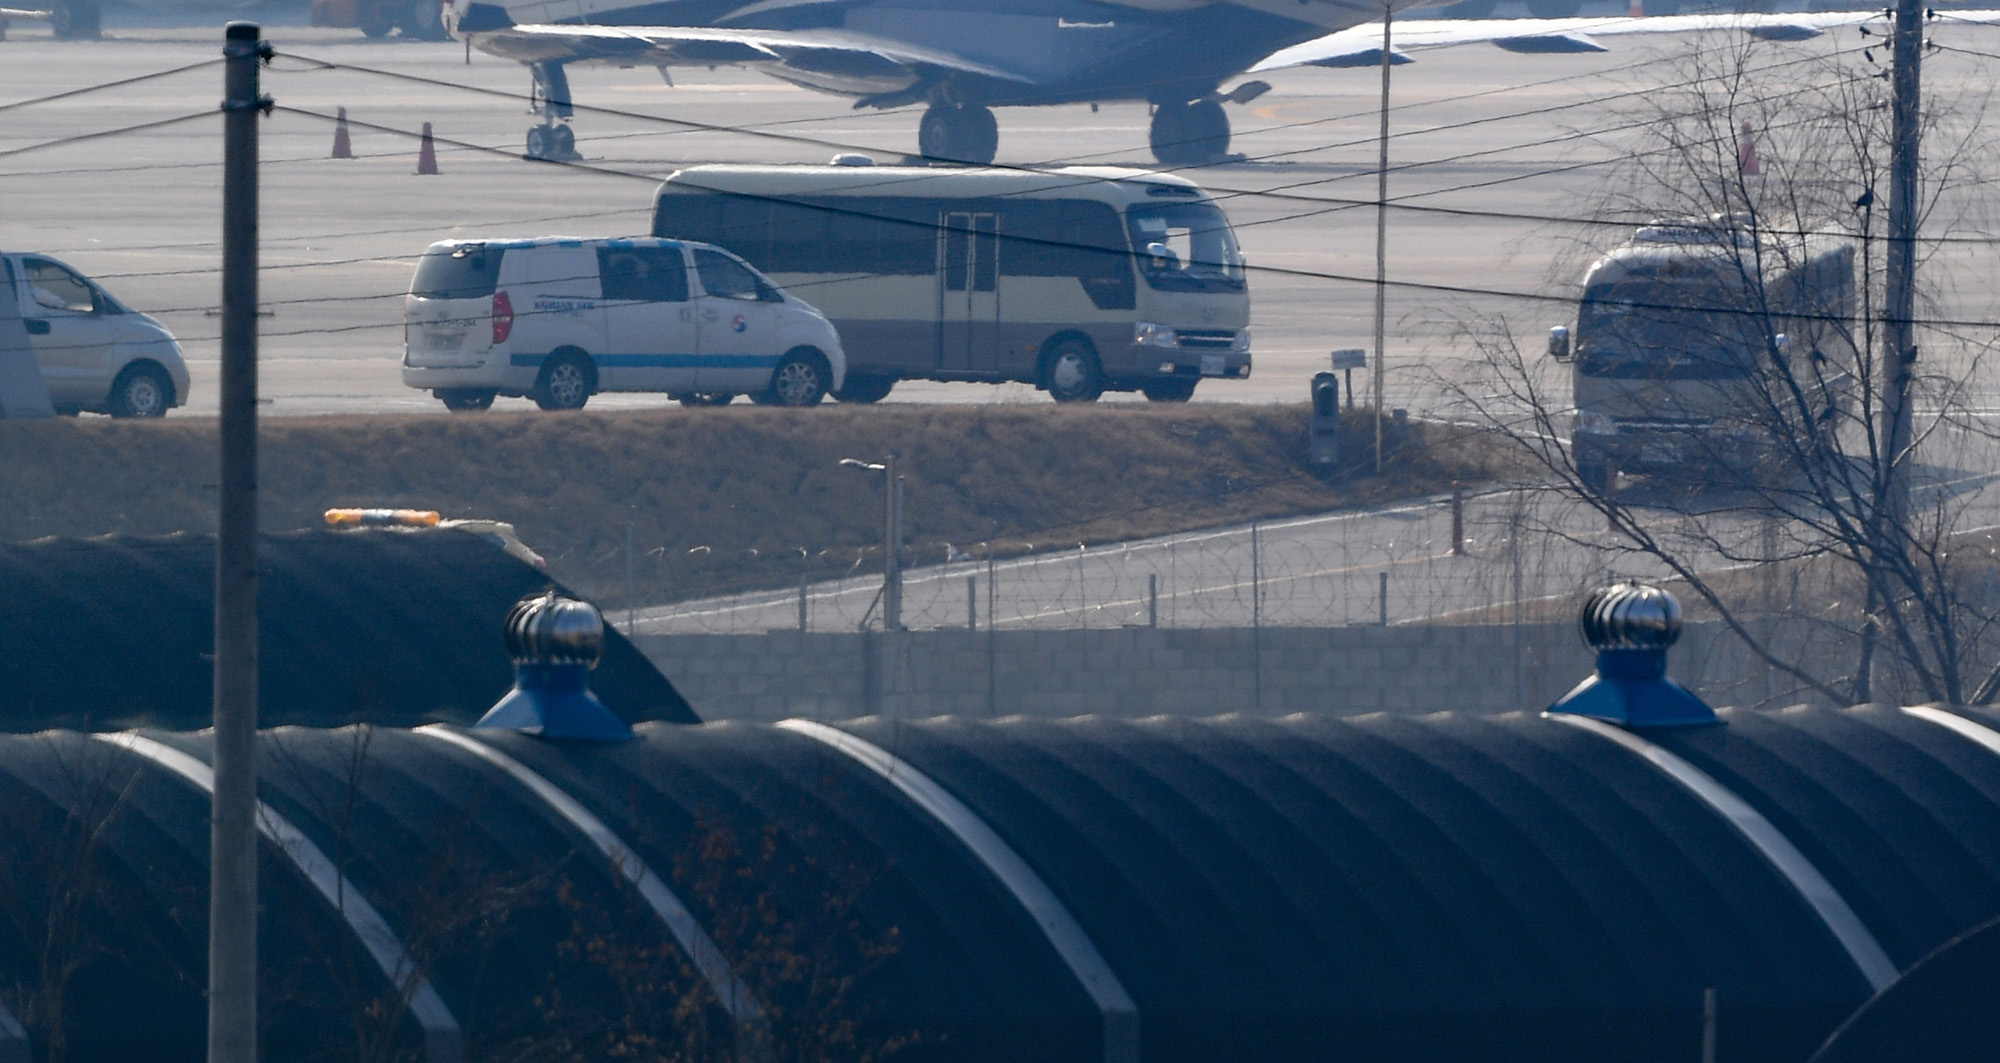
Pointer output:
x,y
693,216
908,243
1102,265
799,242
853,227
745,228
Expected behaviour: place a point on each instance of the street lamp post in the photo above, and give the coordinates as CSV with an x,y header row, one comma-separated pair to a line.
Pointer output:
x,y
892,538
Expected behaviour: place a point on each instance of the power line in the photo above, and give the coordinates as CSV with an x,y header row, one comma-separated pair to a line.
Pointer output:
x,y
104,133
101,86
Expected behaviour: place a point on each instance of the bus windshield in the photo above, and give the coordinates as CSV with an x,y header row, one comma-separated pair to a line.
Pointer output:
x,y
1185,247
1654,331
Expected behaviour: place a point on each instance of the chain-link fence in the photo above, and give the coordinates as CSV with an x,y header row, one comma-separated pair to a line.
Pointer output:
x,y
1393,565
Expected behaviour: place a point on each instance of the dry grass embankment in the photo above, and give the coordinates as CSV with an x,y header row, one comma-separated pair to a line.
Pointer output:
x,y
759,488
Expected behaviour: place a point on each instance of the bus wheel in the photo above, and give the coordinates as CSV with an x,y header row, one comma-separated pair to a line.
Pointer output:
x,y
1071,372
861,388
1168,390
567,381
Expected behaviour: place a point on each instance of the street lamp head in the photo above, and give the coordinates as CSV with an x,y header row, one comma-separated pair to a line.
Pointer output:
x,y
859,464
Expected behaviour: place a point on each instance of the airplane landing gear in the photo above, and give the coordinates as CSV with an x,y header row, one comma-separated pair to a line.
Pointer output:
x,y
553,140
1191,133
958,133
552,143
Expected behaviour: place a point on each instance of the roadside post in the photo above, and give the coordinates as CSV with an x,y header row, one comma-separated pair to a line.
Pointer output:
x,y
892,538
1325,431
1348,359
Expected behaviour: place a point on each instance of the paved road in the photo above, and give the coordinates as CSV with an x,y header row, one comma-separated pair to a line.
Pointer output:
x,y
1478,129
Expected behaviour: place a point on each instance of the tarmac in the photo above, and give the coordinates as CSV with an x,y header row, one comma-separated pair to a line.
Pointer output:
x,y
124,183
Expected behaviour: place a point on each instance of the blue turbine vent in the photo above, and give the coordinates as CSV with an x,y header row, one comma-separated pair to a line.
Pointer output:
x,y
1631,625
555,642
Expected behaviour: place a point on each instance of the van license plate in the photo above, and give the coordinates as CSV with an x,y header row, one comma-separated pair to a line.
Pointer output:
x,y
1211,365
446,341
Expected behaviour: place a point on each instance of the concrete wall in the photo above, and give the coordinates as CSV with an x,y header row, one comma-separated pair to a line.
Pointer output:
x,y
1178,671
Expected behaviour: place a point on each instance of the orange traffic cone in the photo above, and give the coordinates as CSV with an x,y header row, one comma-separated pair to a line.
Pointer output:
x,y
427,156
1746,155
343,146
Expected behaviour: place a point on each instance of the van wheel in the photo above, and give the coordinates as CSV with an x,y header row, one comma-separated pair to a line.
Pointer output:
x,y
141,391
1071,372
465,400
566,384
861,388
799,380
1168,390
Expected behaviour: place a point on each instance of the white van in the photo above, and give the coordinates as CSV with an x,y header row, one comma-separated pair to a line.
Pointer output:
x,y
558,319
95,353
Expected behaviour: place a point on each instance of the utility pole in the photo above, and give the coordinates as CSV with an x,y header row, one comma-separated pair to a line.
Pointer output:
x,y
1899,336
232,904
1382,231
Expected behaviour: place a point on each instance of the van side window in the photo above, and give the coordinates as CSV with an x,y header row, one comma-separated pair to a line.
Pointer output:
x,y
54,288
646,274
726,278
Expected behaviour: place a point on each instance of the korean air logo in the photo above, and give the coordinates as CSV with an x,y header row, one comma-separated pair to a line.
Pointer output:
x,y
740,323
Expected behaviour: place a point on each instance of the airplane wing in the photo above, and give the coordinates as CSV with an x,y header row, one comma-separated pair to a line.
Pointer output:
x,y
820,52
1362,45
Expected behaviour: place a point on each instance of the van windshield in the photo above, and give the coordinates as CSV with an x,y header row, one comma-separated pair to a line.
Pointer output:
x,y
1200,251
1654,331
468,271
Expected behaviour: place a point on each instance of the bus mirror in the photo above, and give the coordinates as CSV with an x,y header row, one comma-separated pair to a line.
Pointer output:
x,y
1781,343
1559,343
1162,255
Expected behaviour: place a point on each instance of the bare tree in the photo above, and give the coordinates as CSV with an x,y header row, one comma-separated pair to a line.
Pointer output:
x,y
60,886
801,958
1734,353
452,900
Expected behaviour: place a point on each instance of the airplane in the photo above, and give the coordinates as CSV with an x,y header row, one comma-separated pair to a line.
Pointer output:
x,y
962,58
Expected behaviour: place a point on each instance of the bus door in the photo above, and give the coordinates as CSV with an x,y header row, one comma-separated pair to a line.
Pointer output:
x,y
969,281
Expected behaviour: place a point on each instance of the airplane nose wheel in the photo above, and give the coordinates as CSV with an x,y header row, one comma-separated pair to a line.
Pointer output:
x,y
1190,134
953,133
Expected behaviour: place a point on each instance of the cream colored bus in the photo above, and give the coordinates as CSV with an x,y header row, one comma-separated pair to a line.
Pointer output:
x,y
1076,280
